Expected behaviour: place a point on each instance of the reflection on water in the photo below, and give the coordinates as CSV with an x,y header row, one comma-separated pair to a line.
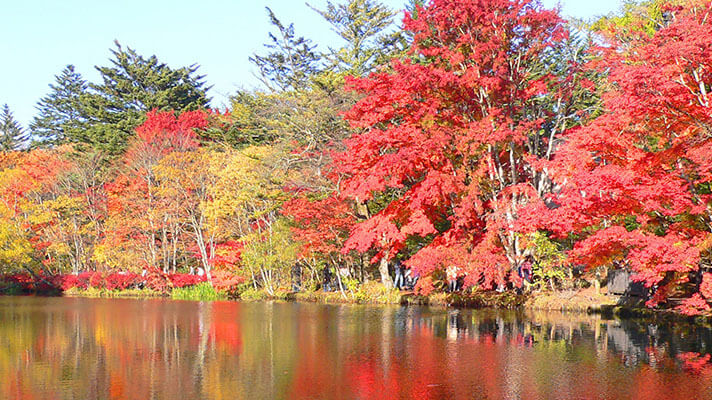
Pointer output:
x,y
73,348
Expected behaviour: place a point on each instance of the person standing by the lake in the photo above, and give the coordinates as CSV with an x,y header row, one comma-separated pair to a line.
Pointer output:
x,y
327,279
399,279
525,269
296,277
451,275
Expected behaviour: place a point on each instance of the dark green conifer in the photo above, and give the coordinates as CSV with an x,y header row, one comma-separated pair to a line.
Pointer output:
x,y
59,111
291,61
130,87
364,27
12,136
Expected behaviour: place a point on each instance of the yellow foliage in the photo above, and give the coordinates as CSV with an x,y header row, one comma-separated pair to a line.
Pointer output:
x,y
15,249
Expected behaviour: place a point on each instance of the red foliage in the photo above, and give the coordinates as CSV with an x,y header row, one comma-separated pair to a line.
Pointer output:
x,y
424,286
156,280
84,279
447,141
225,281
96,280
227,255
132,195
66,282
24,281
43,166
121,281
321,225
183,280
633,180
164,132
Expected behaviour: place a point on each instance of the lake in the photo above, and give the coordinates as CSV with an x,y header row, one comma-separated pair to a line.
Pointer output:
x,y
78,348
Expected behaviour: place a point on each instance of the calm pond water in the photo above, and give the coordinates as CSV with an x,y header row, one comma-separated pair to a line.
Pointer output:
x,y
75,348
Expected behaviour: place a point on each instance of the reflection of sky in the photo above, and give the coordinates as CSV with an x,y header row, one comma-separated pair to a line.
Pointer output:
x,y
81,348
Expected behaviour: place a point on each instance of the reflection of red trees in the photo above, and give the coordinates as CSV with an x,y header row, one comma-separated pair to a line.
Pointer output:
x,y
696,362
117,387
225,327
136,349
369,381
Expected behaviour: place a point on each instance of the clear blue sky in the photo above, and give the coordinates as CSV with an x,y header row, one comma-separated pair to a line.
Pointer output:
x,y
39,37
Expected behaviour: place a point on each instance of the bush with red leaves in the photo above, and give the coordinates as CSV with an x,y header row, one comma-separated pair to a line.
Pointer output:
x,y
121,280
183,280
225,281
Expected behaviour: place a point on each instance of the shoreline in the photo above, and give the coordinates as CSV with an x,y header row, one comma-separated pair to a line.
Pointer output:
x,y
577,302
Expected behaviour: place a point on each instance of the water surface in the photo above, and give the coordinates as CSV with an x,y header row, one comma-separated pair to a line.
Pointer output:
x,y
76,348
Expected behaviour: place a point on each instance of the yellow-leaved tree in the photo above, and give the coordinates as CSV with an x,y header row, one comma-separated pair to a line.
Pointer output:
x,y
244,202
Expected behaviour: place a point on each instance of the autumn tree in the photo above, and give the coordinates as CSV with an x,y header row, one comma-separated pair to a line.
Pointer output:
x,y
42,219
130,87
321,224
58,212
16,251
139,221
636,180
450,142
244,204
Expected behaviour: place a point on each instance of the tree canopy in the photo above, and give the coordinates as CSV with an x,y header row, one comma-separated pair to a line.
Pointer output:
x,y
131,86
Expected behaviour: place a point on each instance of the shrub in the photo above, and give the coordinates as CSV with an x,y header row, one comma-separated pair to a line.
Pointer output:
x,y
226,281
425,286
83,279
96,280
121,281
183,280
252,294
375,292
20,280
202,292
157,281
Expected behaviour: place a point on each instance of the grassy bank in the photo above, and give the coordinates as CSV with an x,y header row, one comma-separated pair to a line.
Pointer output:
x,y
577,301
123,293
200,292
375,293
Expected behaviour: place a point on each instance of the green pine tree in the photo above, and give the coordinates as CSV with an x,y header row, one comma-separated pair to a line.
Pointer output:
x,y
364,26
291,62
130,87
12,136
59,112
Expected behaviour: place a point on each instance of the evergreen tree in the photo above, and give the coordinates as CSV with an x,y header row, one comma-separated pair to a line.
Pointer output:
x,y
12,136
130,87
291,61
59,111
363,25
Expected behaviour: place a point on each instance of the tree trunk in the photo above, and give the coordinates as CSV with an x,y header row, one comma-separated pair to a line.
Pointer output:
x,y
383,270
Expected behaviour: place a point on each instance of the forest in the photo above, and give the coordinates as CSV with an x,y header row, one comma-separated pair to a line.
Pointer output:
x,y
469,141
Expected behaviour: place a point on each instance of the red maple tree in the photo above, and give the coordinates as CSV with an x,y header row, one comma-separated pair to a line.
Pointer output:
x,y
450,140
636,180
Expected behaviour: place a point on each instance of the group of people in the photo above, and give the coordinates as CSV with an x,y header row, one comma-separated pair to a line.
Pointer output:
x,y
405,278
455,279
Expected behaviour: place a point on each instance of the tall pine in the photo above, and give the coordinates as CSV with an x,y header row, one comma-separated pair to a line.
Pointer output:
x,y
291,60
12,136
130,87
363,25
60,111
